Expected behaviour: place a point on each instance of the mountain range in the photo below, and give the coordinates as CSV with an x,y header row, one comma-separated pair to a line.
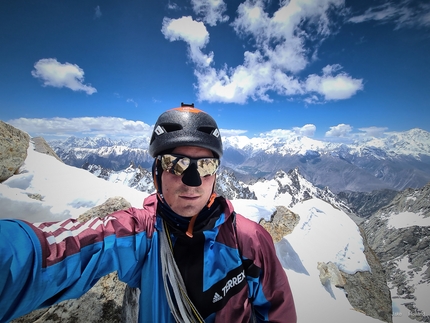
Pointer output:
x,y
322,252
397,161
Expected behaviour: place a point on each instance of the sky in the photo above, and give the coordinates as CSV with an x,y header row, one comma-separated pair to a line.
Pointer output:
x,y
328,69
323,234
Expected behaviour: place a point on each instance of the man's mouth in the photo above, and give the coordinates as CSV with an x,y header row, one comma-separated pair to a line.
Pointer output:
x,y
189,197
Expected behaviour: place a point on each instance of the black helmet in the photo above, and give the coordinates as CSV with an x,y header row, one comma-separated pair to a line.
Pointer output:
x,y
185,126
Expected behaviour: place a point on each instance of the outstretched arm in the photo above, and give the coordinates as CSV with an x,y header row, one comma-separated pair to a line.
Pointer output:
x,y
42,264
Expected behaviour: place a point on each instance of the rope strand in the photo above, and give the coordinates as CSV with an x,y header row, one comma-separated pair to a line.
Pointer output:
x,y
184,311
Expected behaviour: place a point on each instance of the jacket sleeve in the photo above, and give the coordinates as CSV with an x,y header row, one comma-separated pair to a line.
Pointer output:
x,y
269,289
43,264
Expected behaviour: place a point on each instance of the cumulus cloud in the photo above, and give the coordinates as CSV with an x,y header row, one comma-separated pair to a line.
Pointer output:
x,y
56,74
186,29
194,33
374,131
283,44
333,86
307,130
91,126
405,14
211,11
341,130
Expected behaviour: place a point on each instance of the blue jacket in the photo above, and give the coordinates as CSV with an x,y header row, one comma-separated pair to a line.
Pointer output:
x,y
45,263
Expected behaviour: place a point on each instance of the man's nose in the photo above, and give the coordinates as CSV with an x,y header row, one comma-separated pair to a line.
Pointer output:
x,y
191,176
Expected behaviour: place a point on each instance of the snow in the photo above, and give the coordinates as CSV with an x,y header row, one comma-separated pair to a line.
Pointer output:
x,y
66,191
280,141
253,209
407,219
266,190
413,142
319,223
323,234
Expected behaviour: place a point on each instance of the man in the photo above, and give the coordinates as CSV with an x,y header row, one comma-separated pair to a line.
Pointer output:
x,y
193,258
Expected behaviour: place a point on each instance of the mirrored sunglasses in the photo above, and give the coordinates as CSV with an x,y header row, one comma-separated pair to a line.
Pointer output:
x,y
178,164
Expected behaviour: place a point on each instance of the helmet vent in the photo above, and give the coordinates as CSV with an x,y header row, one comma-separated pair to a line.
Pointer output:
x,y
172,127
207,130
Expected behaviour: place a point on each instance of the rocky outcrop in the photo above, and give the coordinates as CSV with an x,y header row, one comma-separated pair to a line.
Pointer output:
x,y
41,146
404,251
282,223
231,188
364,204
111,205
13,150
108,301
368,291
330,274
101,304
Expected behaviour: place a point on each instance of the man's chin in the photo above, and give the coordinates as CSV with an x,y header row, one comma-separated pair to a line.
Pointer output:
x,y
187,211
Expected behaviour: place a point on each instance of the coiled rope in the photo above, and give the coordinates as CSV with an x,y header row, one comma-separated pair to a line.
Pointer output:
x,y
180,304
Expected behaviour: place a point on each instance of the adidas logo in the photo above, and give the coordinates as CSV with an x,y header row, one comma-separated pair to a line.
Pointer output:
x,y
216,298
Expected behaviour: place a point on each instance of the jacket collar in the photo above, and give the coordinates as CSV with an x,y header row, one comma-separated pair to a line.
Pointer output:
x,y
225,209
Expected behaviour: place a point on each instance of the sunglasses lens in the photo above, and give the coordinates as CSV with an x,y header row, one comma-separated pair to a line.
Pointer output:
x,y
177,164
207,166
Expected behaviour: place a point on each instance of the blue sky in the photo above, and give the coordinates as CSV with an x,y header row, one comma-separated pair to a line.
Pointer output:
x,y
328,69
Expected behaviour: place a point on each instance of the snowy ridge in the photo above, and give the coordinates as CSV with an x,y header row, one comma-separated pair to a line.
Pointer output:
x,y
415,142
290,188
291,145
395,161
133,177
86,142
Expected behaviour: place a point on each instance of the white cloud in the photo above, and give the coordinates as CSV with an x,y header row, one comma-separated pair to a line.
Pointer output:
x,y
374,131
307,130
133,102
284,44
406,13
253,79
97,12
232,132
211,10
341,130
333,87
172,6
194,33
91,126
56,74
279,38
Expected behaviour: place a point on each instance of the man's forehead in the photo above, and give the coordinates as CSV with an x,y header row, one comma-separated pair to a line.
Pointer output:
x,y
193,151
